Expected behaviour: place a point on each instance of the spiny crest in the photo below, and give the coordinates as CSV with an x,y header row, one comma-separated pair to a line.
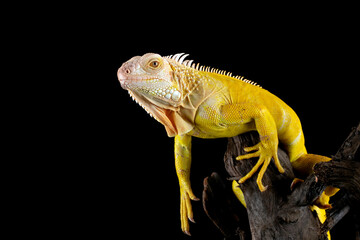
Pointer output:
x,y
180,58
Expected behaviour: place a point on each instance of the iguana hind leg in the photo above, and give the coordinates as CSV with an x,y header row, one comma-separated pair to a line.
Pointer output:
x,y
303,165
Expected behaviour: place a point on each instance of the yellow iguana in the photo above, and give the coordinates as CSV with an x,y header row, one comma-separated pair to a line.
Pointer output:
x,y
193,100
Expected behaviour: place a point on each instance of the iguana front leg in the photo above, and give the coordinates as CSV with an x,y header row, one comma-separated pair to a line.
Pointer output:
x,y
182,165
266,127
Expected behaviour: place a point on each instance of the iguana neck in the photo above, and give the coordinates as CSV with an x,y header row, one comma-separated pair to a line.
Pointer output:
x,y
195,86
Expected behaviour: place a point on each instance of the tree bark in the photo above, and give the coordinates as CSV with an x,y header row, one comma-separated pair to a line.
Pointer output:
x,y
281,212
343,172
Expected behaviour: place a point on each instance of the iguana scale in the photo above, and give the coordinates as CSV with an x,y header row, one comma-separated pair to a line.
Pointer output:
x,y
196,101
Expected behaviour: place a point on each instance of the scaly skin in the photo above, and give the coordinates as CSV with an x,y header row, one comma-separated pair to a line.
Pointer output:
x,y
207,103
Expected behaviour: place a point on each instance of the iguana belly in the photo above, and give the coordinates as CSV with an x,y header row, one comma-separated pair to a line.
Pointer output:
x,y
209,124
221,131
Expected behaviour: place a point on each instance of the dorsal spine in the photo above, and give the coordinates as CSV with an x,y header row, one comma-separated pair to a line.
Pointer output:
x,y
180,58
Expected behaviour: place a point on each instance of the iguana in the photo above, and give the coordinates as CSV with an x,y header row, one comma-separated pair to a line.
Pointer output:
x,y
193,100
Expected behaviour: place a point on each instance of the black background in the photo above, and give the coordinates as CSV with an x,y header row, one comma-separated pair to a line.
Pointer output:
x,y
110,172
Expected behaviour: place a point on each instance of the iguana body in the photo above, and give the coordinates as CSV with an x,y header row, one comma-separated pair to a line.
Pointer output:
x,y
196,101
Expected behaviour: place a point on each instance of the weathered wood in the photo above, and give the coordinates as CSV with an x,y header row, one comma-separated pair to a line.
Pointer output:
x,y
222,207
279,212
344,175
349,148
343,172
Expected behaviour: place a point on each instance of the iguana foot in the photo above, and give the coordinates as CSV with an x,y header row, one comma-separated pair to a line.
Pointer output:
x,y
265,153
238,193
186,212
323,201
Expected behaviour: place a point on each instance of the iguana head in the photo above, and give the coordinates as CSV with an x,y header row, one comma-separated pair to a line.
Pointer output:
x,y
161,85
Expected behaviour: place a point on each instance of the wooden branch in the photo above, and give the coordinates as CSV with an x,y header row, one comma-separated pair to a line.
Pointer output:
x,y
277,213
281,212
350,146
343,172
222,207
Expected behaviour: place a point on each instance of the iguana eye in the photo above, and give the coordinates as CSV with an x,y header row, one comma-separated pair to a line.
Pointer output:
x,y
154,63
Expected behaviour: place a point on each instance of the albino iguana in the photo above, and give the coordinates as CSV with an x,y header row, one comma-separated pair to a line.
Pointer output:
x,y
193,100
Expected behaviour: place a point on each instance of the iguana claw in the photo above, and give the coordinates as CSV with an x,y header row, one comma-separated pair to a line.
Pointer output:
x,y
186,212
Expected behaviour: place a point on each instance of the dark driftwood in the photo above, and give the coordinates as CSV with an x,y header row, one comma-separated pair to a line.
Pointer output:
x,y
223,208
279,212
343,172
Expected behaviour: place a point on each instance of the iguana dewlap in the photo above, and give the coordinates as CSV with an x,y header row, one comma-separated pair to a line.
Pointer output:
x,y
193,100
